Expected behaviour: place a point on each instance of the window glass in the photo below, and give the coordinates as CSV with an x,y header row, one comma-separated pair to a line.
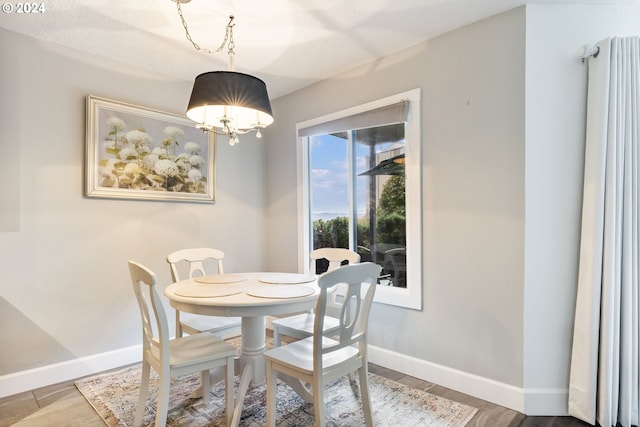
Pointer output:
x,y
380,198
378,222
329,193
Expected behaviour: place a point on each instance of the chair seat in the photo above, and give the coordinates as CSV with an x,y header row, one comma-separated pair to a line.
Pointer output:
x,y
194,323
299,355
193,349
301,325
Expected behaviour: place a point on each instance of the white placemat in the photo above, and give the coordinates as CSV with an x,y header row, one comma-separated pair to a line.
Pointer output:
x,y
280,291
221,278
286,278
207,291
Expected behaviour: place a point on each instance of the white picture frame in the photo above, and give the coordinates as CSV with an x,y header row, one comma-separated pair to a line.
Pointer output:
x,y
134,152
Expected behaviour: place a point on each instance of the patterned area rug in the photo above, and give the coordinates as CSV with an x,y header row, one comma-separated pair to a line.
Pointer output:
x,y
114,396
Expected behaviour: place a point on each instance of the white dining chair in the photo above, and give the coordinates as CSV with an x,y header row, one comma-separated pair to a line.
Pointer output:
x,y
192,263
175,357
300,326
318,360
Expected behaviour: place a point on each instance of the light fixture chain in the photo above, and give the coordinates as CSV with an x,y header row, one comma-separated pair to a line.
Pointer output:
x,y
186,31
231,44
228,36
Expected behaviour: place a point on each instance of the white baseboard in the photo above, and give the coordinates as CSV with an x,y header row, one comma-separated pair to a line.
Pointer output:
x,y
19,382
544,402
547,402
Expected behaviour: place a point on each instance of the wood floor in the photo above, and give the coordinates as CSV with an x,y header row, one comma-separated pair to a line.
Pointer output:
x,y
62,405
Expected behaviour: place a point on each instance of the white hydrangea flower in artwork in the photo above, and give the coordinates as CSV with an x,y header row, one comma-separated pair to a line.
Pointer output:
x,y
183,155
128,153
138,137
144,149
109,143
173,131
195,175
160,152
116,124
196,161
183,163
166,167
132,168
149,161
192,147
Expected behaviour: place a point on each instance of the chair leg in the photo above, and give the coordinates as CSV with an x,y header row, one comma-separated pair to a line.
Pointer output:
x,y
205,383
245,379
366,397
272,392
144,391
318,402
178,325
229,396
276,336
163,399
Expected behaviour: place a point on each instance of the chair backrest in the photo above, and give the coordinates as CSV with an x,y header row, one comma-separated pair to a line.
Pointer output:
x,y
335,256
195,257
354,315
155,329
397,257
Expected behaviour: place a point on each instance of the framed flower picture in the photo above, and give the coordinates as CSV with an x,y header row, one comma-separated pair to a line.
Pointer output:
x,y
134,152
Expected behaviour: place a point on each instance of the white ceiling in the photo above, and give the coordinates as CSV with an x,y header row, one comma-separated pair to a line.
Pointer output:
x,y
288,43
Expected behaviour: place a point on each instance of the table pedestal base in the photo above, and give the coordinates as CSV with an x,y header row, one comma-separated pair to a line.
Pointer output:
x,y
253,346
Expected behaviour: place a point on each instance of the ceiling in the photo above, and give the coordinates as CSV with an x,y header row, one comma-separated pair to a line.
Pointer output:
x,y
289,44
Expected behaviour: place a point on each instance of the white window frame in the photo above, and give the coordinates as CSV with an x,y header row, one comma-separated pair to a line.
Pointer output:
x,y
411,296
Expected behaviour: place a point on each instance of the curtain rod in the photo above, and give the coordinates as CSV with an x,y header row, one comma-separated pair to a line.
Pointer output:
x,y
587,51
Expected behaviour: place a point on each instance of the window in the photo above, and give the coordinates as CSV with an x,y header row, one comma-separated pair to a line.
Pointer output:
x,y
360,176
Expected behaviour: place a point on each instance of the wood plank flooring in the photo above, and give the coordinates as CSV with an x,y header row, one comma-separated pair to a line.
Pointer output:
x,y
63,405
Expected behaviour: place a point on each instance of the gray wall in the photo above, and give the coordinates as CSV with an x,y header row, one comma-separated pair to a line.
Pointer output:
x,y
64,288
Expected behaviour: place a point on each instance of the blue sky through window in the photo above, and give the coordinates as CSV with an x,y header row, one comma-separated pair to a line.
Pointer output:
x,y
330,175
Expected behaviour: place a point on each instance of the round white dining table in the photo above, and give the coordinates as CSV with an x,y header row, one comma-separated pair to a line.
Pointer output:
x,y
251,296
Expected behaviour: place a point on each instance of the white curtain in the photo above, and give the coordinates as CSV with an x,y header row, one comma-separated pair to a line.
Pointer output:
x,y
605,359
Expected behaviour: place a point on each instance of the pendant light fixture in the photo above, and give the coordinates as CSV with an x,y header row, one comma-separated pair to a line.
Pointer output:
x,y
227,102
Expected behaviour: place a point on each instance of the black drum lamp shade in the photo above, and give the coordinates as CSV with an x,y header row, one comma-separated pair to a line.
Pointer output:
x,y
227,99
